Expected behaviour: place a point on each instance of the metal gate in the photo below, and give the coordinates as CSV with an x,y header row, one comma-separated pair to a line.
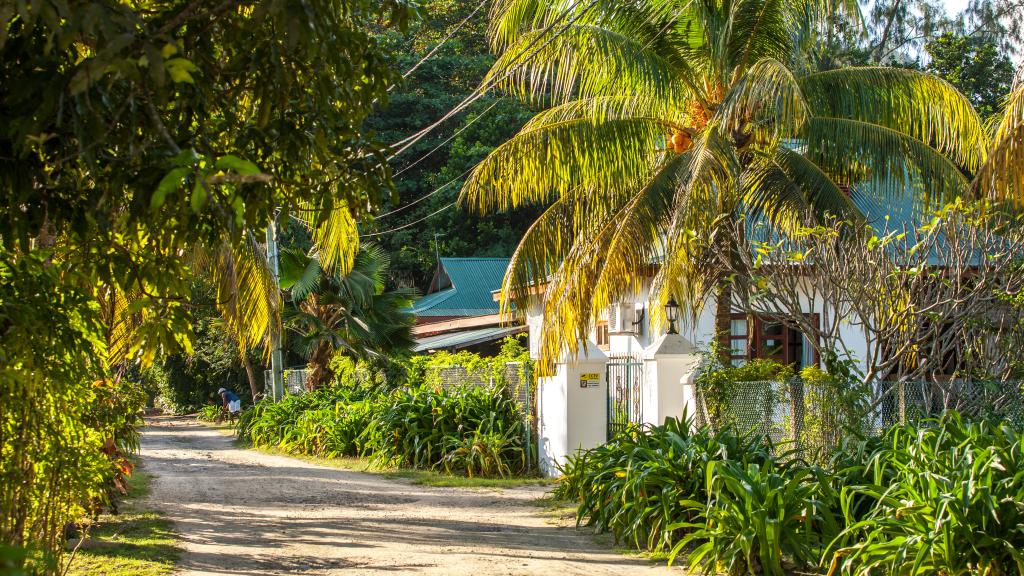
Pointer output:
x,y
625,377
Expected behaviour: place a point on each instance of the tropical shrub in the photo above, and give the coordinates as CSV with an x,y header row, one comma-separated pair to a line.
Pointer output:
x,y
648,486
758,517
66,426
946,498
209,413
936,497
833,405
422,427
473,430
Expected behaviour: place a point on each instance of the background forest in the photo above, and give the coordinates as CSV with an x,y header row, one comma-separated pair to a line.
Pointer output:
x,y
971,50
974,51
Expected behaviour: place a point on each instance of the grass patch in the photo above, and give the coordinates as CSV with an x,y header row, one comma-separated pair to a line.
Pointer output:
x,y
416,477
439,479
133,543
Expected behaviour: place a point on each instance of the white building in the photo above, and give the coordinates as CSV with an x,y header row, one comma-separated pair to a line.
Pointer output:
x,y
626,372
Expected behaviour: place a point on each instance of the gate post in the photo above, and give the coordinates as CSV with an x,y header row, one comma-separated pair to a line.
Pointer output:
x,y
571,408
670,362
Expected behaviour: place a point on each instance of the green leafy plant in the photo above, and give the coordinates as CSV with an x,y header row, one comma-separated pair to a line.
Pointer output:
x,y
209,413
758,517
646,486
469,429
945,498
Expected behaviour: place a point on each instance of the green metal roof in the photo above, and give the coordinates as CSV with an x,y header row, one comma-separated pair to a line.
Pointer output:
x,y
467,286
467,338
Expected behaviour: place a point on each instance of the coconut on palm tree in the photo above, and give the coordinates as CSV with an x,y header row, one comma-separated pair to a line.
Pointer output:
x,y
666,122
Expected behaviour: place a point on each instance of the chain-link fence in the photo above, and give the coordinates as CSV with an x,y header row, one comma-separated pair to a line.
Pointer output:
x,y
515,377
818,415
294,381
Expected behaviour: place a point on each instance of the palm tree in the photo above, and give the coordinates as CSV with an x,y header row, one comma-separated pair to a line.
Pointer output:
x,y
351,312
666,122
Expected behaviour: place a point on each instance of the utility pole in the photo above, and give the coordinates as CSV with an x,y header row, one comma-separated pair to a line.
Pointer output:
x,y
437,252
437,262
276,368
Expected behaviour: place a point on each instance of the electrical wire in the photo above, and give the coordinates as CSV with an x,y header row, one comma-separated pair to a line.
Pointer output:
x,y
413,223
465,104
425,196
453,136
479,92
445,40
447,140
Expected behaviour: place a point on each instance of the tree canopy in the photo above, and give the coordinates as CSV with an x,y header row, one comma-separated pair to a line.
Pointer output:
x,y
137,131
975,65
439,83
141,143
666,122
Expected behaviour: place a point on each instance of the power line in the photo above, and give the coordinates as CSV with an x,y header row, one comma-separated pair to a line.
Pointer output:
x,y
449,139
469,100
442,43
413,223
407,142
425,196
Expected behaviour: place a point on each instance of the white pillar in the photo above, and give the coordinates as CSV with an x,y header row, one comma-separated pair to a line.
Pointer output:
x,y
572,408
669,363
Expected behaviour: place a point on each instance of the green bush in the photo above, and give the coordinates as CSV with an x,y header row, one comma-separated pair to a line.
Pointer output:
x,y
945,498
66,425
473,430
645,486
759,518
421,427
209,413
937,497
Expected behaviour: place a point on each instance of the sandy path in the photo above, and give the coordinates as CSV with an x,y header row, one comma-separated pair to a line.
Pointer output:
x,y
245,512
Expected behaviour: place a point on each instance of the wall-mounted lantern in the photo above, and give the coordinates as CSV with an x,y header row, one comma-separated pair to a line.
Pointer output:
x,y
672,312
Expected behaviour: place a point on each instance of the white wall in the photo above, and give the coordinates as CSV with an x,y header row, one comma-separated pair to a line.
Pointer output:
x,y
571,418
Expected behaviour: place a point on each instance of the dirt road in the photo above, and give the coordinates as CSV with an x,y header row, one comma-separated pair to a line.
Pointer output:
x,y
246,512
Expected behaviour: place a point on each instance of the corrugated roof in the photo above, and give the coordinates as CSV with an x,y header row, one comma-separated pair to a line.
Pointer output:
x,y
472,282
466,338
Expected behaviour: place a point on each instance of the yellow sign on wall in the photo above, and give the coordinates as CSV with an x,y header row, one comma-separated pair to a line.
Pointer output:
x,y
590,380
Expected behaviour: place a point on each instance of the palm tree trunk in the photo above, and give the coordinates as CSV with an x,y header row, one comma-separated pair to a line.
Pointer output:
x,y
723,319
320,372
251,375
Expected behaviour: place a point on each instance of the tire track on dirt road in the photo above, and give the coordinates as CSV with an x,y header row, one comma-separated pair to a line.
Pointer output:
x,y
243,512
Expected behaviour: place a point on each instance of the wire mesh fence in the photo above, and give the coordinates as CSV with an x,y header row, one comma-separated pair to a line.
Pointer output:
x,y
516,378
817,416
294,381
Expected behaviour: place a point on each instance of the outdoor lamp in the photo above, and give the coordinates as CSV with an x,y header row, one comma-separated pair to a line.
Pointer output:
x,y
672,312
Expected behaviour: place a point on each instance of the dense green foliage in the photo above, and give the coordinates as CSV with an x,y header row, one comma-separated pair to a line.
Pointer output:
x,y
183,383
397,415
945,498
143,143
639,485
936,497
352,314
429,92
975,66
471,430
64,428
